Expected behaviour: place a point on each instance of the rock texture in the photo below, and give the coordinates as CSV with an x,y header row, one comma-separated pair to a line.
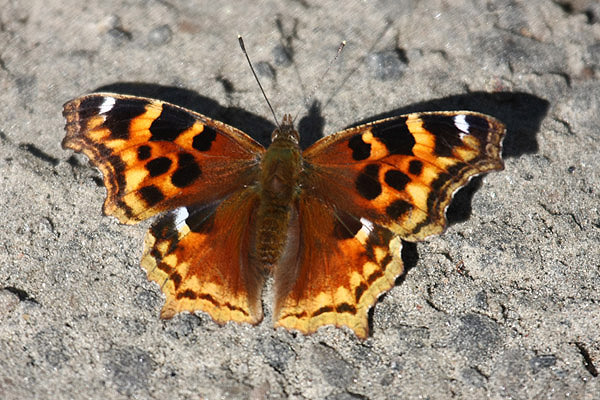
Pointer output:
x,y
505,304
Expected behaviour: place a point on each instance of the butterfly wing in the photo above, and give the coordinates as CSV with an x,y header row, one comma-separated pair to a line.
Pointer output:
x,y
157,157
365,189
200,256
342,265
402,172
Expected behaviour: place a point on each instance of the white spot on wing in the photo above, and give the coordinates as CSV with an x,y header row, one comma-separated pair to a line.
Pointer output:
x,y
181,215
107,105
367,226
461,123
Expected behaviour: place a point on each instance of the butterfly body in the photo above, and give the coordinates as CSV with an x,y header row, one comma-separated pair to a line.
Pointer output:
x,y
327,222
279,187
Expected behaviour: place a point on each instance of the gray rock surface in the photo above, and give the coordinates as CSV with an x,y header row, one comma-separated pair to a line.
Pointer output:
x,y
505,304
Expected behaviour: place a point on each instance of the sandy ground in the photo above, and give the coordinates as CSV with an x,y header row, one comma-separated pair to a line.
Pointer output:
x,y
505,304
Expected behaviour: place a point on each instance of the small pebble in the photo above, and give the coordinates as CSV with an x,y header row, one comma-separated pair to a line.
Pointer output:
x,y
160,35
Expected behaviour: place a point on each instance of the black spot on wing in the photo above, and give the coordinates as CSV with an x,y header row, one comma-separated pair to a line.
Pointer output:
x,y
322,310
203,141
445,131
394,134
437,185
89,106
188,293
167,238
164,227
144,152
126,209
396,179
345,308
386,260
360,289
360,149
166,268
235,308
367,182
374,276
115,178
479,127
118,119
171,122
380,237
437,196
208,297
398,208
158,166
151,194
115,174
176,278
187,171
415,167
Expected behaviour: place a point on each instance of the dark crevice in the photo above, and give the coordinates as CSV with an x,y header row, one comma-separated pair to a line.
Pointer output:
x,y
587,359
401,53
120,33
566,7
431,304
226,84
572,9
20,293
480,372
591,17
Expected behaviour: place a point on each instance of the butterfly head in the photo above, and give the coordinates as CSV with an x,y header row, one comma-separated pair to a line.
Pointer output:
x,y
285,132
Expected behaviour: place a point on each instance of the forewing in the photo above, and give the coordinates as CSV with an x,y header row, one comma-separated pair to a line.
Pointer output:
x,y
155,156
402,172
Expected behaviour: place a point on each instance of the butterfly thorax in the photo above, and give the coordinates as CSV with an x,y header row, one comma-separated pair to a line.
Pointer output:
x,y
280,171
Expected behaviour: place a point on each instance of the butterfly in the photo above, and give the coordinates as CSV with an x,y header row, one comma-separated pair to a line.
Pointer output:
x,y
327,222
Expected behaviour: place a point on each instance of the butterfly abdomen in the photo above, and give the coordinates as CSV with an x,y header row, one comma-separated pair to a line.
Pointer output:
x,y
271,232
280,170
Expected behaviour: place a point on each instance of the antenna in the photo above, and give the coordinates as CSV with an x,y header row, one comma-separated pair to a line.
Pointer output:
x,y
241,41
320,80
